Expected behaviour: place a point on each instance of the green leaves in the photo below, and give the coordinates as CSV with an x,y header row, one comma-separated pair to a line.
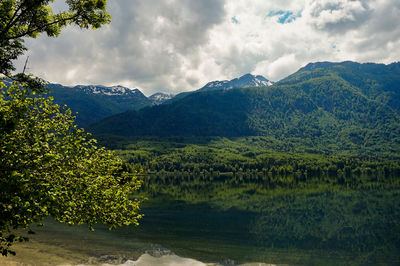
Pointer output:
x,y
48,166
25,18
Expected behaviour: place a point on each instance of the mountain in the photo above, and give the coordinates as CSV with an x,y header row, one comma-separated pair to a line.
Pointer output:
x,y
244,81
378,82
332,106
160,98
247,80
93,103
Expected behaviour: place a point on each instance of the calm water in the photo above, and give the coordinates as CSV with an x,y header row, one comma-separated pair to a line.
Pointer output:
x,y
225,237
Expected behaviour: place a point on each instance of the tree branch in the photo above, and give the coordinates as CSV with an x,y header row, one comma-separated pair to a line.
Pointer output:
x,y
14,19
30,31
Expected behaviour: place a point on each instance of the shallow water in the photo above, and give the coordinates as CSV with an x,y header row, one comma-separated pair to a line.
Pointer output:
x,y
165,238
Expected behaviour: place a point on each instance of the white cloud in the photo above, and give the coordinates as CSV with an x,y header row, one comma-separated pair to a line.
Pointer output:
x,y
177,46
278,68
336,15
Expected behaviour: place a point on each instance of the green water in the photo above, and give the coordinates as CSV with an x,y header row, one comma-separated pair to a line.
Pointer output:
x,y
344,227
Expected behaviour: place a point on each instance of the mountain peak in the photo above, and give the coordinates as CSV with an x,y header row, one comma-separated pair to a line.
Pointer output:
x,y
247,80
160,97
247,76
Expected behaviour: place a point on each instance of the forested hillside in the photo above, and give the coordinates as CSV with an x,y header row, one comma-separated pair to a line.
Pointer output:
x,y
328,106
376,81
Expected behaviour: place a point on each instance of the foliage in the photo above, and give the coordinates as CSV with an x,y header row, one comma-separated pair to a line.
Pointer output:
x,y
251,159
49,167
30,18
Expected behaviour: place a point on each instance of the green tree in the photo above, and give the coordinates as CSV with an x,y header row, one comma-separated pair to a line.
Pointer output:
x,y
29,18
48,166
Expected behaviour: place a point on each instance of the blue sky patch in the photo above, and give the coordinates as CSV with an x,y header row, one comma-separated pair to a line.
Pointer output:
x,y
235,20
284,16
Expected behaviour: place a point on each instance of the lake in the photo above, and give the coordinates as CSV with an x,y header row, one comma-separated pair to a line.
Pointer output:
x,y
341,228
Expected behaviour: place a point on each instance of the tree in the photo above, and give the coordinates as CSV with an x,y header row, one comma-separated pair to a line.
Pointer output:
x,y
48,166
29,18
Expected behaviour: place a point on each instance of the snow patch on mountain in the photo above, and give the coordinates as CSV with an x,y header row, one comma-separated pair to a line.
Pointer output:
x,y
159,98
247,80
109,91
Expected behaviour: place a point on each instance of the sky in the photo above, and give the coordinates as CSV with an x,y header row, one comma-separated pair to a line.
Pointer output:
x,y
179,45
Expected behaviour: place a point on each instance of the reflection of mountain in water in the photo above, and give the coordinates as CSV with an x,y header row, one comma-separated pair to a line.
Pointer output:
x,y
160,256
174,260
147,259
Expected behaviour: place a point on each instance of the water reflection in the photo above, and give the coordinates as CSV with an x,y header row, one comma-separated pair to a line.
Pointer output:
x,y
296,227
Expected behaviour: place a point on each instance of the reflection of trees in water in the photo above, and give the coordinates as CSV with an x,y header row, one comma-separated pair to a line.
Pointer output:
x,y
314,217
355,221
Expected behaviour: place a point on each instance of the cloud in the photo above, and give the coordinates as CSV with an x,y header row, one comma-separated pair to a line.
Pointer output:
x,y
337,16
173,46
279,67
145,45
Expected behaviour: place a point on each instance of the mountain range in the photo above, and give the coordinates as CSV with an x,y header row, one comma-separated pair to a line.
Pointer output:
x,y
327,105
95,102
